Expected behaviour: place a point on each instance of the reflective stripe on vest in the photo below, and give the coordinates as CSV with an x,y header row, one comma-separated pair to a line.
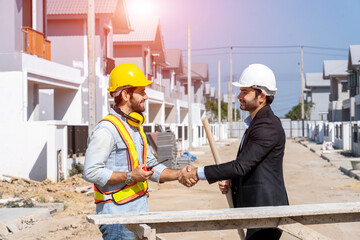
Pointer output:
x,y
128,192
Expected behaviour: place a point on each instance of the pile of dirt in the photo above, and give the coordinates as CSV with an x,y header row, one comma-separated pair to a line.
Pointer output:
x,y
75,202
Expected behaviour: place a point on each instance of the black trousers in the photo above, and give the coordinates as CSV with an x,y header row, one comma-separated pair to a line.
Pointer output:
x,y
263,234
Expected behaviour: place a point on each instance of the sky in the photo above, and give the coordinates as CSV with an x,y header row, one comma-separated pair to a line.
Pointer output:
x,y
260,31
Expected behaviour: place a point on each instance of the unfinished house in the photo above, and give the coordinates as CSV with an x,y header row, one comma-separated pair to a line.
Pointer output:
x,y
67,29
336,71
318,90
39,95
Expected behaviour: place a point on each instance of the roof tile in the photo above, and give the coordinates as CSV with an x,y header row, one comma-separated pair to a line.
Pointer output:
x,y
316,80
70,7
144,30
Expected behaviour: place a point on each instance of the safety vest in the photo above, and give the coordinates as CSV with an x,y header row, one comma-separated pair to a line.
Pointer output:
x,y
136,189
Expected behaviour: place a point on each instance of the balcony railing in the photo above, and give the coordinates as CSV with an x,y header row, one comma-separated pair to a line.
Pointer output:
x,y
157,87
109,65
36,44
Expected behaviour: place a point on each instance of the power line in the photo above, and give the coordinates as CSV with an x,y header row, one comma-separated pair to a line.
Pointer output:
x,y
293,46
244,53
326,54
206,49
210,54
272,47
266,53
327,48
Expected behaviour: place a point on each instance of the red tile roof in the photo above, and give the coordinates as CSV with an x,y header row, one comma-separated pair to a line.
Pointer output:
x,y
70,7
173,58
145,29
198,71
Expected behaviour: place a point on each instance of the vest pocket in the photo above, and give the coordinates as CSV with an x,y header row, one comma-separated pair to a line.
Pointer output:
x,y
121,155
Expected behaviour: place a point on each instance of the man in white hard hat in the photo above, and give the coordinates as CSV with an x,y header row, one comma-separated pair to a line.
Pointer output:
x,y
256,175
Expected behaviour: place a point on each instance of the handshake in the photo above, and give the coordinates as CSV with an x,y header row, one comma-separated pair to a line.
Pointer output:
x,y
188,176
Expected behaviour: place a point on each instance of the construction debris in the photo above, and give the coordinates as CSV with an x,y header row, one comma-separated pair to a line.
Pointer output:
x,y
20,192
164,146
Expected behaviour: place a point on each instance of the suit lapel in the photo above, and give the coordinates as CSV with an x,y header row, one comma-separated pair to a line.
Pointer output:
x,y
243,142
253,122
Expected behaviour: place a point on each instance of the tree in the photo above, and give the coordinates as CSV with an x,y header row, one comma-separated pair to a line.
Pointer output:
x,y
295,112
212,108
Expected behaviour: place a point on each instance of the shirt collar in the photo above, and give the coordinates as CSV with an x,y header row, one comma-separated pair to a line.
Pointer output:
x,y
247,121
112,111
124,120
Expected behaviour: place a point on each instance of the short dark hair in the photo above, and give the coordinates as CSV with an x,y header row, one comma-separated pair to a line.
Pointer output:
x,y
118,99
269,99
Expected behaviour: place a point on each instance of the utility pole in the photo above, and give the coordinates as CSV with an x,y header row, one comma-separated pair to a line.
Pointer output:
x,y
219,94
189,88
230,95
235,112
302,89
91,64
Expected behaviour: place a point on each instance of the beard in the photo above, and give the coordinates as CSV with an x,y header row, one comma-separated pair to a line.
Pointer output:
x,y
136,105
248,105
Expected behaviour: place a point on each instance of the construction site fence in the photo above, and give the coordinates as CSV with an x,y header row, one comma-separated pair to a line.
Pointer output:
x,y
340,135
219,131
51,147
293,129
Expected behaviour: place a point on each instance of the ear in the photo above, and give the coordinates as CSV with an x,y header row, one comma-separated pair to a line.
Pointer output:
x,y
262,98
125,95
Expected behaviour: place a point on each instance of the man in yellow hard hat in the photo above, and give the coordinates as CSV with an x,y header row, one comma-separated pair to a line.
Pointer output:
x,y
117,156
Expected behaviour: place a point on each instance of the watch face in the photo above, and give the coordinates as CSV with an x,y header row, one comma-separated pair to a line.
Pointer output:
x,y
128,180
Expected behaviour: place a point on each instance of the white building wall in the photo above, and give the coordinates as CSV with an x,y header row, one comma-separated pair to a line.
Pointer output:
x,y
12,103
68,107
320,97
35,156
46,102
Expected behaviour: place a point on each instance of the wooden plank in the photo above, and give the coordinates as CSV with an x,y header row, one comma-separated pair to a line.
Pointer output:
x,y
217,159
301,213
300,231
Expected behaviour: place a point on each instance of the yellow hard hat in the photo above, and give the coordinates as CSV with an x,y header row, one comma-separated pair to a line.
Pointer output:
x,y
127,74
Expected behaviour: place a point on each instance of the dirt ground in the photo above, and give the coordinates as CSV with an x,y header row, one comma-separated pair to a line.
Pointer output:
x,y
308,178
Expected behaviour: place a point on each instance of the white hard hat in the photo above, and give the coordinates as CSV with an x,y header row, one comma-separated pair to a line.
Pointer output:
x,y
258,76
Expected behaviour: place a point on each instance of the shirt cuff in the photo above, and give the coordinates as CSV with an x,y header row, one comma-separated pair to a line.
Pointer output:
x,y
157,172
201,173
104,176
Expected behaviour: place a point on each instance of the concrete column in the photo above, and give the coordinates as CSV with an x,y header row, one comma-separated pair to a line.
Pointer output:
x,y
34,25
352,108
25,95
172,79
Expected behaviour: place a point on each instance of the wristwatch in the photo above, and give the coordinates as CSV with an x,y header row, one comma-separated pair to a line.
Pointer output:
x,y
128,180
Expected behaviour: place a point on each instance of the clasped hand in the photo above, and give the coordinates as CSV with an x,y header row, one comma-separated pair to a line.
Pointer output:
x,y
225,186
188,176
139,175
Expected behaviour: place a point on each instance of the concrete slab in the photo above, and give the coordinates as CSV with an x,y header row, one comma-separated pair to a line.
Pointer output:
x,y
53,208
15,219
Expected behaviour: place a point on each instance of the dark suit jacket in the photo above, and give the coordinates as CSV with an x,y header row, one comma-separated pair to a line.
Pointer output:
x,y
257,172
